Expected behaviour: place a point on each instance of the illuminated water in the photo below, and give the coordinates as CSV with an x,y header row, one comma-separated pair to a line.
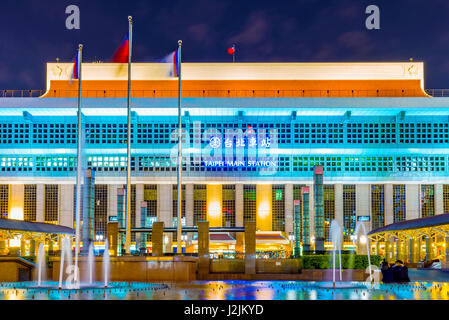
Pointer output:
x,y
229,290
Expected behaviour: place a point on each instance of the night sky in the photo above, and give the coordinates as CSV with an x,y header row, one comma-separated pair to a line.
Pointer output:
x,y
33,32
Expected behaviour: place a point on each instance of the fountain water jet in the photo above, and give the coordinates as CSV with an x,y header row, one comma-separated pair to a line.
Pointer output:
x,y
106,259
40,264
336,234
361,225
90,260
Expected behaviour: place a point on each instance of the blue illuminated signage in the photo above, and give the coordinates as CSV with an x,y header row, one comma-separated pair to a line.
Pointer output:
x,y
363,218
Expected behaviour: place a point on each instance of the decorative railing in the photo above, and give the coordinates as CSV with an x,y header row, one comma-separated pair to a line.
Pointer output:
x,y
20,93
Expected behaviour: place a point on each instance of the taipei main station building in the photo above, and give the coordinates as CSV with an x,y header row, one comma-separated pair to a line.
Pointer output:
x,y
289,146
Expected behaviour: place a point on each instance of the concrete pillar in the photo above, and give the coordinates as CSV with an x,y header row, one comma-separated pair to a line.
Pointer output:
x,y
446,239
411,250
112,200
214,200
239,205
112,234
16,201
66,205
250,248
388,190
165,204
312,216
398,250
40,195
419,250
412,201
189,216
165,211
139,200
289,208
363,204
157,239
22,247
429,255
388,250
3,250
339,204
263,207
50,247
439,201
32,247
203,247
239,243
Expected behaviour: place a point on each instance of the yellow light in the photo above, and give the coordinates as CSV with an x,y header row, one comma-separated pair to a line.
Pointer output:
x,y
14,243
16,213
264,209
363,240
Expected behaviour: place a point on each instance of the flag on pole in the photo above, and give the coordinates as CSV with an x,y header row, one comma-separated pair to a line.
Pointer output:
x,y
231,50
121,55
173,59
75,69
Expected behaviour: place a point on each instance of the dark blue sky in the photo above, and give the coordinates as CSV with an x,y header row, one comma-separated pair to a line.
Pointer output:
x,y
33,32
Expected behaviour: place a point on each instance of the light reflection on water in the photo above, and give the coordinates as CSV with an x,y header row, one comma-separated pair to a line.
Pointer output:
x,y
232,290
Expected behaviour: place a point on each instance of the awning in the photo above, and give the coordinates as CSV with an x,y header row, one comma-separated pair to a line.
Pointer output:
x,y
39,227
427,222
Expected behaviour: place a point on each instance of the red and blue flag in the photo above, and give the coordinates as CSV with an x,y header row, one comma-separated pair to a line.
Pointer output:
x,y
75,69
122,53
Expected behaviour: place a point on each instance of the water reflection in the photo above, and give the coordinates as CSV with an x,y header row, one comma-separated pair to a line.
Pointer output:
x,y
231,290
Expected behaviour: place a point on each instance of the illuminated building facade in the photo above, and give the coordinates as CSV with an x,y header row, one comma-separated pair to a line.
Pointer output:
x,y
252,135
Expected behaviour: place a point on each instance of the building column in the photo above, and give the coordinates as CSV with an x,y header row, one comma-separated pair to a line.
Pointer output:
x,y
157,239
388,189
412,201
189,216
289,208
112,234
311,216
203,247
411,250
165,211
363,203
139,200
214,196
22,247
16,201
446,240
398,249
66,205
439,201
429,254
40,202
263,207
112,200
250,248
3,250
339,204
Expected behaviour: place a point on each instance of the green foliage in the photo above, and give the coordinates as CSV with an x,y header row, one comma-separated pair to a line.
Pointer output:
x,y
348,261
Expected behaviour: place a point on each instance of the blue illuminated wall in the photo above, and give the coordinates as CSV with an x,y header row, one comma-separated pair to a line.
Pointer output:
x,y
372,139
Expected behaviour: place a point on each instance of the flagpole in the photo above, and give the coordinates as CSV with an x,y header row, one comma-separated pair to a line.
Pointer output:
x,y
179,191
78,167
233,53
128,143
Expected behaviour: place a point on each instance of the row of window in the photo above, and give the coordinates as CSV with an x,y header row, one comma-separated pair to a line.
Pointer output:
x,y
288,133
283,164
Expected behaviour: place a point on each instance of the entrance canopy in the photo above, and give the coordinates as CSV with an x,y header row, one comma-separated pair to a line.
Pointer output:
x,y
415,228
9,228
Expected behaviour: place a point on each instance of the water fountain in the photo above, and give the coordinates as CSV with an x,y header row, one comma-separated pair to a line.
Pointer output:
x,y
41,268
336,235
106,260
65,253
358,227
90,261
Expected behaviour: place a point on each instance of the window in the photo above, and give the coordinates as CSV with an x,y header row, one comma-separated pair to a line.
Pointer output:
x,y
349,211
446,198
377,206
4,201
199,203
249,203
29,202
228,205
278,207
399,203
51,203
101,210
427,200
329,208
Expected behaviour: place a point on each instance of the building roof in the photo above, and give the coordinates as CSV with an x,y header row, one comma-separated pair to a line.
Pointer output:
x,y
153,80
438,220
18,225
